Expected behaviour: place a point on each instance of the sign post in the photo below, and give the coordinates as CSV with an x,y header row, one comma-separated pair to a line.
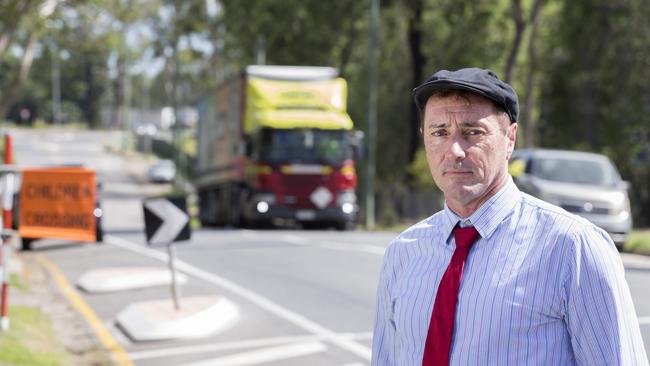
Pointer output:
x,y
7,203
176,292
166,222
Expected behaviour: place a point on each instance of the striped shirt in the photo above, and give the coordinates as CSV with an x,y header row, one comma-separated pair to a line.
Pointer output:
x,y
540,287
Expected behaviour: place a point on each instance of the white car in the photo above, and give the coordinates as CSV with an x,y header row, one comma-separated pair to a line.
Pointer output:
x,y
586,184
162,171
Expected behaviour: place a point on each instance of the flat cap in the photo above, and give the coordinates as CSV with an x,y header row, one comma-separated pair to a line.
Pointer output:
x,y
480,81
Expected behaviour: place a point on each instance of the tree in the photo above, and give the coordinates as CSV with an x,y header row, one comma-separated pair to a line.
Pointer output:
x,y
21,15
596,96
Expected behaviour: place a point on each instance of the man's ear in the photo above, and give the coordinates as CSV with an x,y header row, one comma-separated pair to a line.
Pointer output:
x,y
512,137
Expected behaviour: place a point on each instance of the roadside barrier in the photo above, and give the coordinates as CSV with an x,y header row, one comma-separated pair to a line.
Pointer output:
x,y
7,215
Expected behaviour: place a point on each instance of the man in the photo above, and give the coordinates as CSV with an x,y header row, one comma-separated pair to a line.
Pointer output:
x,y
497,277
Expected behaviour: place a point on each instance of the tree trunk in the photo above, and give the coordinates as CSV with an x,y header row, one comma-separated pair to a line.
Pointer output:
x,y
5,38
8,30
529,123
19,78
90,99
520,27
417,66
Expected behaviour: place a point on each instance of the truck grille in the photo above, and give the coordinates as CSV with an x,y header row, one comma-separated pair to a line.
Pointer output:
x,y
298,187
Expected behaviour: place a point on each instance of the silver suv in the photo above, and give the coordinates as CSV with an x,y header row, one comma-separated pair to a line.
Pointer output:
x,y
583,183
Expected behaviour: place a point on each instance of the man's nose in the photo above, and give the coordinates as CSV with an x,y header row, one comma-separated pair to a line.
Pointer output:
x,y
456,149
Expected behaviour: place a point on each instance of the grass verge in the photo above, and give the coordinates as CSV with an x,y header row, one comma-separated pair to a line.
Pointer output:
x,y
638,242
30,340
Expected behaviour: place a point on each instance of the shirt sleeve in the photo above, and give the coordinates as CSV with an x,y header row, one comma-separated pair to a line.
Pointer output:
x,y
600,315
383,338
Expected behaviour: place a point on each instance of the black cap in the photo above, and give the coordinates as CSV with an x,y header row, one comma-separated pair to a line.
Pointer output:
x,y
480,81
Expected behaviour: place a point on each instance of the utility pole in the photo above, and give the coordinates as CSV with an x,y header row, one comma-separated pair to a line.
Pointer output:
x,y
56,84
260,50
373,51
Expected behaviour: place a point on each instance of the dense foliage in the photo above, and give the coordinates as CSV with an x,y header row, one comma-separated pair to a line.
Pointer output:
x,y
580,66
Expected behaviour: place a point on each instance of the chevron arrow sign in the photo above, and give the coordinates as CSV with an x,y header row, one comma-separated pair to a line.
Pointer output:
x,y
166,220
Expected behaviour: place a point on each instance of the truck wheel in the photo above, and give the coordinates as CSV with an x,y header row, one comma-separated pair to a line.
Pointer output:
x,y
314,225
345,226
99,234
207,208
26,244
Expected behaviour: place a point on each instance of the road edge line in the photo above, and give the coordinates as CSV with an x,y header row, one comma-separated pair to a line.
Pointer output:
x,y
107,340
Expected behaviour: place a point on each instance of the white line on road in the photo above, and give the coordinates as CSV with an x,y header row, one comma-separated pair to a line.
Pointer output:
x,y
249,234
354,247
334,245
264,355
270,306
229,346
294,239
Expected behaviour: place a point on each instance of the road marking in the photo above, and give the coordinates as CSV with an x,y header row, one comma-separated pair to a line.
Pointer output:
x,y
261,301
264,355
334,245
353,247
644,320
93,320
226,346
294,239
249,234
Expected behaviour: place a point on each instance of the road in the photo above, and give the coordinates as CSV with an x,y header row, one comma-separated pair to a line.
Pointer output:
x,y
304,297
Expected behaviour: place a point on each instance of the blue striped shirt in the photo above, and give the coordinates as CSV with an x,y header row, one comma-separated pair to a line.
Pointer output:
x,y
540,287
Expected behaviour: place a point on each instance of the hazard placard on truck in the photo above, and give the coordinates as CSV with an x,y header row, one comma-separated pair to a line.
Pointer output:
x,y
58,203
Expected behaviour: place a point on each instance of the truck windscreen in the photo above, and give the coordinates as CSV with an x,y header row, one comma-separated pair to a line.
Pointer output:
x,y
305,145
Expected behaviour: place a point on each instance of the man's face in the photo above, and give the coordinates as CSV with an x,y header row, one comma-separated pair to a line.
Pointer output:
x,y
468,142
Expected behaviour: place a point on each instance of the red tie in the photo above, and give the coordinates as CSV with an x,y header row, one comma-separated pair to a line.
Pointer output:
x,y
441,328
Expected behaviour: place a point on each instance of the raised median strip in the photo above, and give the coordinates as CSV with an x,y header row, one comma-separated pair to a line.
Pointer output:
x,y
126,278
159,320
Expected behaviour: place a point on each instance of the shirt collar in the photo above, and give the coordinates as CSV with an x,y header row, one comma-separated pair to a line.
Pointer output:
x,y
491,213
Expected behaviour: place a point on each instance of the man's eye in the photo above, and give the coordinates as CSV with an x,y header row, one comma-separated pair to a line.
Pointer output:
x,y
474,132
438,133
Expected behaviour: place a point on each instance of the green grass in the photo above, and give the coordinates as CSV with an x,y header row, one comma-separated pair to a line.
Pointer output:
x,y
638,241
30,340
15,282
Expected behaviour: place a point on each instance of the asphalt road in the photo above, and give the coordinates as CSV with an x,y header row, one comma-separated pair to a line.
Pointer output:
x,y
304,297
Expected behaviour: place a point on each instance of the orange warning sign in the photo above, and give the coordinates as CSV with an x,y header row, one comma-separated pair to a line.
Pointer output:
x,y
58,203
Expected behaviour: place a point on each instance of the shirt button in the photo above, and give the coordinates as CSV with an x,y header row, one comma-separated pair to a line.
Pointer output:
x,y
467,223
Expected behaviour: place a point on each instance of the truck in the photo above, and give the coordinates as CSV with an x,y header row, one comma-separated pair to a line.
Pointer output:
x,y
275,145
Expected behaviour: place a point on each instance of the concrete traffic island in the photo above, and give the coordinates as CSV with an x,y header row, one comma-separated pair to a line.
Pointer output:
x,y
126,278
160,320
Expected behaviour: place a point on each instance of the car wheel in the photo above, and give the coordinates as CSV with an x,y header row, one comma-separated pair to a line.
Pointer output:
x,y
345,226
26,244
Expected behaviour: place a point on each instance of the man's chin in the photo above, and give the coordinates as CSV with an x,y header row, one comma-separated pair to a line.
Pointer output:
x,y
462,193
